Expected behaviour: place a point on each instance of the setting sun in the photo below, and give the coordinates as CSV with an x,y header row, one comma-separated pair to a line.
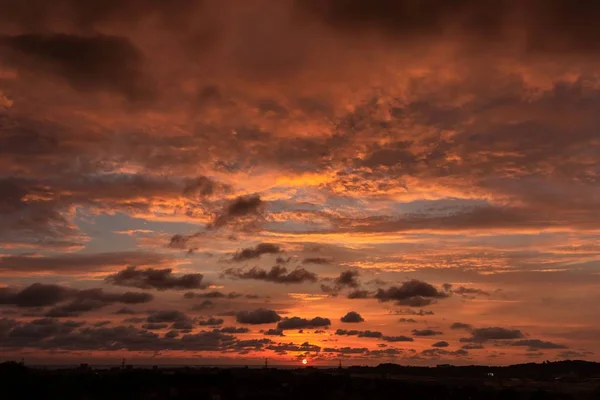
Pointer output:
x,y
304,361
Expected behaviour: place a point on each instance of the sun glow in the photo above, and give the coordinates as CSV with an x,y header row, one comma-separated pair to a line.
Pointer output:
x,y
304,361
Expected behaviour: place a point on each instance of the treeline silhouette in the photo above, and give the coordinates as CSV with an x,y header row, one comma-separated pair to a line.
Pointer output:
x,y
387,381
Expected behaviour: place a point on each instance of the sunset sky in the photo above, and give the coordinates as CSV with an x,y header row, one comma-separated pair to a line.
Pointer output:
x,y
224,181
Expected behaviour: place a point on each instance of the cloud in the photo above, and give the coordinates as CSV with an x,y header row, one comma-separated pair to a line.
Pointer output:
x,y
413,293
258,316
408,320
68,301
536,344
167,316
160,279
352,317
283,348
346,350
400,338
460,325
241,207
470,291
151,326
316,260
495,333
77,263
440,344
425,332
303,323
256,252
97,63
276,274
274,332
211,322
358,294
408,311
368,334
233,329
346,279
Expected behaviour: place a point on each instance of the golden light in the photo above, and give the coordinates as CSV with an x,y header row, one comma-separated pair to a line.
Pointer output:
x,y
304,361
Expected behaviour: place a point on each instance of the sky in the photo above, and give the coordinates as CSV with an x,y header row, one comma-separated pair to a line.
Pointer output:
x,y
220,182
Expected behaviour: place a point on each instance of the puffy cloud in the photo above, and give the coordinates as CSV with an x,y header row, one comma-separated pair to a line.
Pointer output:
x,y
233,329
160,279
211,322
258,316
358,294
441,343
256,252
460,325
425,332
303,323
68,301
283,348
274,332
167,316
276,274
413,293
151,326
352,316
408,320
536,344
495,333
241,207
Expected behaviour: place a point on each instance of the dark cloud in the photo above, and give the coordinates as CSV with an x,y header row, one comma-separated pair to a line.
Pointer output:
x,y
436,353
40,295
167,316
178,241
352,317
303,323
241,207
125,310
367,334
400,338
408,320
536,344
256,252
282,348
555,28
358,294
160,279
258,316
203,186
203,306
233,329
151,326
316,260
495,333
76,263
348,279
470,291
274,332
408,311
276,274
413,293
460,325
472,346
211,322
346,350
440,344
425,332
99,63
